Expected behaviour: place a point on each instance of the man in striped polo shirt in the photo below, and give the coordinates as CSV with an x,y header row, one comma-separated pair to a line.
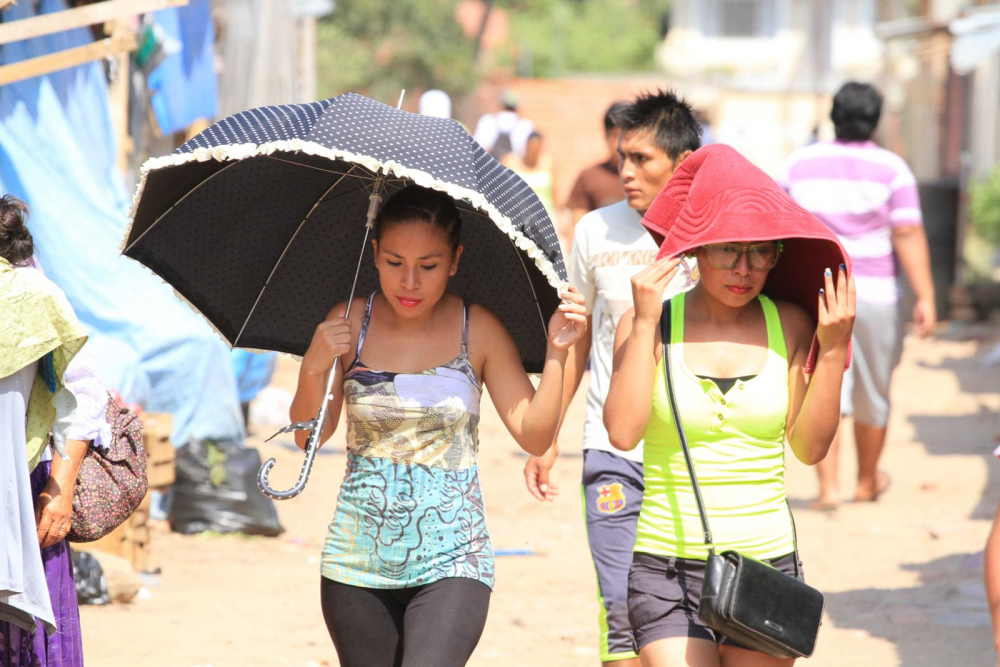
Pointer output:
x,y
868,197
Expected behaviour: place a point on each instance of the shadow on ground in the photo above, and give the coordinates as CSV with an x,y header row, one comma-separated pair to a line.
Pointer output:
x,y
948,607
976,434
965,435
974,375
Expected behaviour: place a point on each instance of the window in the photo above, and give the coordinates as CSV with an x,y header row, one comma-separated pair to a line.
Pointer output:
x,y
739,18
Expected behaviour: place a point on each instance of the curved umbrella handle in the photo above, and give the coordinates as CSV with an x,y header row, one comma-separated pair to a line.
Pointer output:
x,y
315,428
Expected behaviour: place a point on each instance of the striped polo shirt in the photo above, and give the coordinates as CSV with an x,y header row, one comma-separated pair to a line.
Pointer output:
x,y
861,192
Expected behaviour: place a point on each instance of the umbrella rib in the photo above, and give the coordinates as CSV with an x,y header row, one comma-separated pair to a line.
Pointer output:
x,y
474,212
284,252
328,171
534,293
175,204
344,194
371,177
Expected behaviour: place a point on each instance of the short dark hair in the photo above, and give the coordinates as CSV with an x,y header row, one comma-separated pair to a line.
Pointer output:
x,y
418,204
856,110
609,115
668,116
16,244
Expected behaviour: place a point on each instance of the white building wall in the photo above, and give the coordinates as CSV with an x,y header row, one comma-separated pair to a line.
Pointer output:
x,y
784,49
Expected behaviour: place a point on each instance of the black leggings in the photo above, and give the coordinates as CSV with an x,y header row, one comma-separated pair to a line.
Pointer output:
x,y
435,625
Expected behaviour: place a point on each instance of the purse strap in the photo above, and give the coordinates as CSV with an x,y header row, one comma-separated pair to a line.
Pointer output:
x,y
665,318
665,321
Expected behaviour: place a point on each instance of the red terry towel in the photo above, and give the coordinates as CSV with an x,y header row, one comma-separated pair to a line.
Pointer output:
x,y
717,196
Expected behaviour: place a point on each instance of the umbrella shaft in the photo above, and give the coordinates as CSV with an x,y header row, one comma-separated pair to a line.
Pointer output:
x,y
328,393
313,443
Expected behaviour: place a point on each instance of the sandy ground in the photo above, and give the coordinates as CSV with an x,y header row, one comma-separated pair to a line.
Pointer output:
x,y
902,576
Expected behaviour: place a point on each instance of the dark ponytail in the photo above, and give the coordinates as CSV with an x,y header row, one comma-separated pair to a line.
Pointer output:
x,y
16,244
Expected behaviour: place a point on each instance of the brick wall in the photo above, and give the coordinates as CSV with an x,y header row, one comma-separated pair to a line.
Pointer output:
x,y
569,113
763,125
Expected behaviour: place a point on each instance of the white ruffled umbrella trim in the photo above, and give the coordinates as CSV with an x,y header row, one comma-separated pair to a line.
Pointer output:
x,y
235,152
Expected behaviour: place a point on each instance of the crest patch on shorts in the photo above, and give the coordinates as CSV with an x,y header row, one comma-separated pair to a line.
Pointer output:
x,y
610,498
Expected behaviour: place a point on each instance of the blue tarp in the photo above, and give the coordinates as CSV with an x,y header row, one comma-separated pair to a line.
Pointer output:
x,y
57,152
184,87
253,372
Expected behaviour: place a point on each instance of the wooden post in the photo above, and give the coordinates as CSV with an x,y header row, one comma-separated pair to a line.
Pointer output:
x,y
305,75
67,58
118,94
98,12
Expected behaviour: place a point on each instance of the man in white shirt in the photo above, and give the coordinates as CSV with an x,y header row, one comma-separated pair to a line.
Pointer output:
x,y
504,131
610,245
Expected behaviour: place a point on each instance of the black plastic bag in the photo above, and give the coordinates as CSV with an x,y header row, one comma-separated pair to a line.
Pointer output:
x,y
91,586
216,489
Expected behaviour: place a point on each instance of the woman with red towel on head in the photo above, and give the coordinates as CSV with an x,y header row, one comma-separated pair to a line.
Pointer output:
x,y
757,355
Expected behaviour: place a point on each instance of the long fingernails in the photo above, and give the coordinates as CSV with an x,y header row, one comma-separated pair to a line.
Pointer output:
x,y
828,273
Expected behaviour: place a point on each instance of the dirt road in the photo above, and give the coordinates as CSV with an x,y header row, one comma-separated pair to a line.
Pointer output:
x,y
902,576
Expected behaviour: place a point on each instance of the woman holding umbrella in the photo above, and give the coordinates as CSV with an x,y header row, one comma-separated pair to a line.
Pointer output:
x,y
407,565
749,373
262,223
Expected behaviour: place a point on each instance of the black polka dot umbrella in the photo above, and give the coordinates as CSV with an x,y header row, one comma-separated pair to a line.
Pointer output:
x,y
258,222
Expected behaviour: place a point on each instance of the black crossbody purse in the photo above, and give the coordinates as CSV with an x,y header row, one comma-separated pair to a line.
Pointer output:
x,y
746,600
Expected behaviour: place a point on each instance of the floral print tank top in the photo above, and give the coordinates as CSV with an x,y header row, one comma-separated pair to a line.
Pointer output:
x,y
410,509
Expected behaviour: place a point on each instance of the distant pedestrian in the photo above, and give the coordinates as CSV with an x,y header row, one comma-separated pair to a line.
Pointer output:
x,y
868,197
991,572
435,103
49,393
707,132
536,170
599,185
504,131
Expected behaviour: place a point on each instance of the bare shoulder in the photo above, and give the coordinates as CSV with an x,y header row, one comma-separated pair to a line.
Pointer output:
x,y
484,325
796,324
487,335
357,309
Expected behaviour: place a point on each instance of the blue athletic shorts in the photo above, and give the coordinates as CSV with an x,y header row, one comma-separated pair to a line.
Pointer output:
x,y
612,497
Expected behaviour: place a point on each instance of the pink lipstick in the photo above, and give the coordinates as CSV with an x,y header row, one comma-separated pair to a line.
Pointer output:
x,y
408,303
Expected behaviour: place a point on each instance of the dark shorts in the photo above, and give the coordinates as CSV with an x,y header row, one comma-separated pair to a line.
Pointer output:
x,y
663,597
612,497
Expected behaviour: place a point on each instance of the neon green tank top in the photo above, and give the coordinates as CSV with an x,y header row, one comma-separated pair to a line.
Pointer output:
x,y
737,443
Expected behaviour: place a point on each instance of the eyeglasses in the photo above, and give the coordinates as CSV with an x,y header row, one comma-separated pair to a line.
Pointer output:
x,y
762,256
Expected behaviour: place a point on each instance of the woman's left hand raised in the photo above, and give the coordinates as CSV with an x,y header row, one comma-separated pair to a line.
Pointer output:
x,y
836,311
568,324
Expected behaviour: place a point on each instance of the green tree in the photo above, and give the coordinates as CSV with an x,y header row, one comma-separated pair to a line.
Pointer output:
x,y
379,47
554,37
984,207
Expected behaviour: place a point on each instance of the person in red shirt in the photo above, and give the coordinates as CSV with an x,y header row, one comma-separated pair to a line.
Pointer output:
x,y
599,185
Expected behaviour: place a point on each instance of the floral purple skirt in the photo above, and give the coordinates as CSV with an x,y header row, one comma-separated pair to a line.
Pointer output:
x,y
19,648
